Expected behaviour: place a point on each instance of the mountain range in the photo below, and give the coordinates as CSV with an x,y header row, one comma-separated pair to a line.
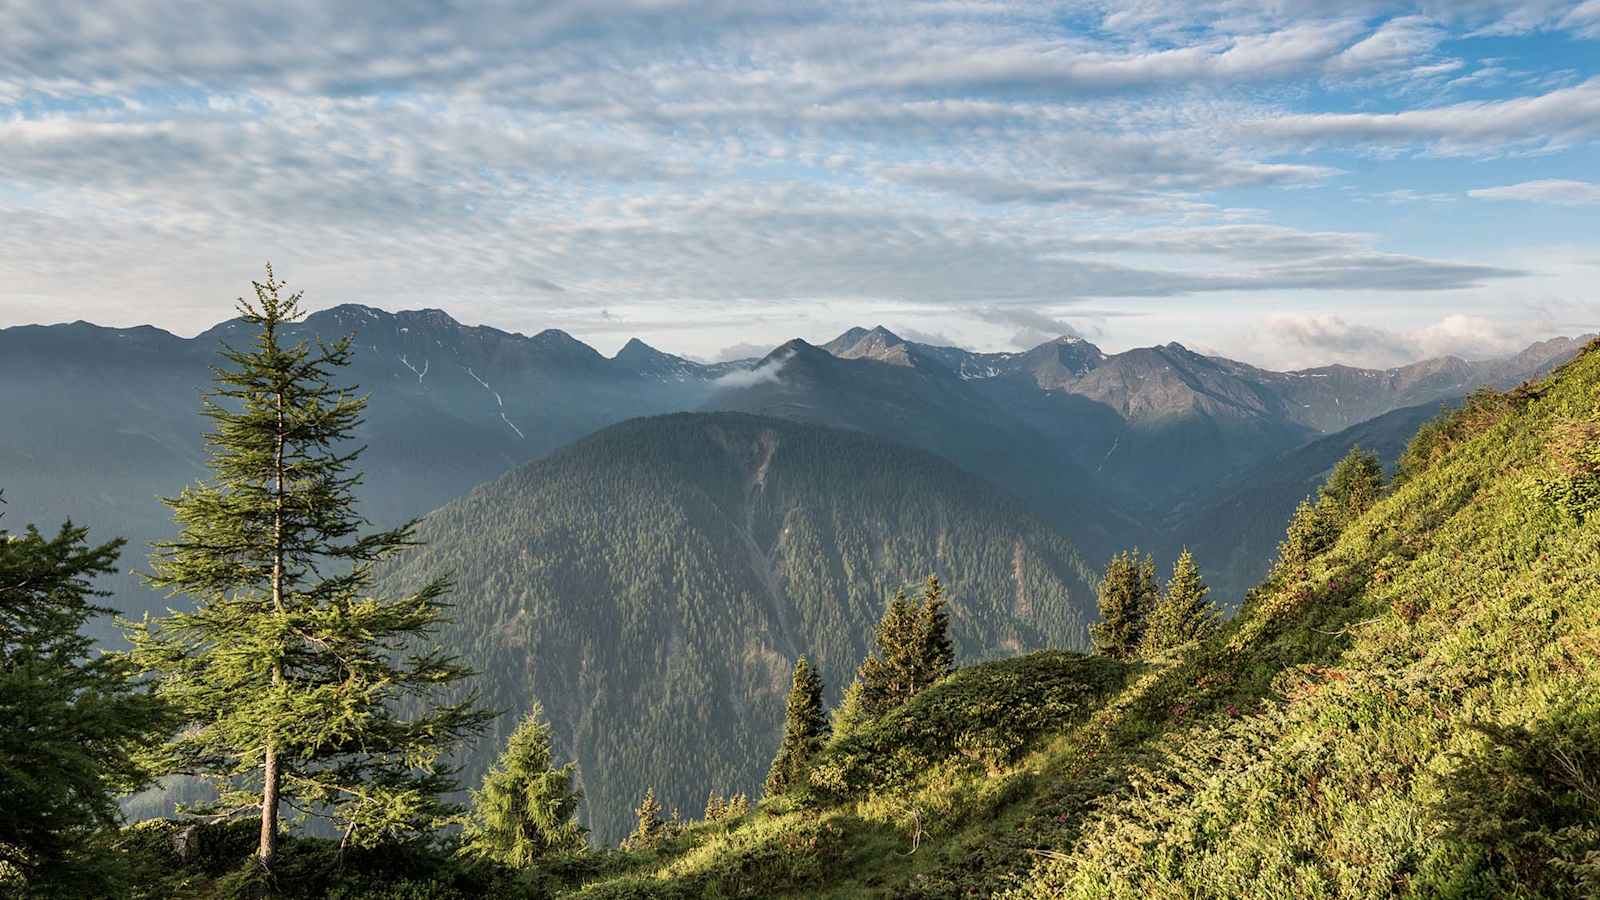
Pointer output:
x,y
1104,446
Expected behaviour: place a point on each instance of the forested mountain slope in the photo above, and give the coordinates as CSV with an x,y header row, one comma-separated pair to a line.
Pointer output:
x,y
653,584
933,409
1411,712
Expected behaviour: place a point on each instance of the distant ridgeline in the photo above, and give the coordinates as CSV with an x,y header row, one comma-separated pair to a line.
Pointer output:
x,y
1157,447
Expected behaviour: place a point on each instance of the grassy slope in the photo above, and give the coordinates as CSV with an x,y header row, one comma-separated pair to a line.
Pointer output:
x,y
1418,714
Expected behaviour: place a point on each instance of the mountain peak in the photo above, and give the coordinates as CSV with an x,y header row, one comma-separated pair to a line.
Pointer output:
x,y
878,344
847,339
636,347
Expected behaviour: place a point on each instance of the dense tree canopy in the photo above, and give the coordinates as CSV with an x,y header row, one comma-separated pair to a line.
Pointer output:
x,y
1183,613
1127,594
666,573
72,721
911,651
525,809
805,729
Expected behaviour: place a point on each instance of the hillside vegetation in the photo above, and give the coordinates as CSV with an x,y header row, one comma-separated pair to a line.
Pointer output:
x,y
1415,712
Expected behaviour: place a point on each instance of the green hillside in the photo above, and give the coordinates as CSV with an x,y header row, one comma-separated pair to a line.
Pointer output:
x,y
652,586
1415,713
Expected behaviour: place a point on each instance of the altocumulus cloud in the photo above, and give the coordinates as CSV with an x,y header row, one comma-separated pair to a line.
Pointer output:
x,y
524,164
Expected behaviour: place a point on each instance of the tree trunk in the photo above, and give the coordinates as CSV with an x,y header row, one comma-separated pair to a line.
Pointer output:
x,y
269,810
270,777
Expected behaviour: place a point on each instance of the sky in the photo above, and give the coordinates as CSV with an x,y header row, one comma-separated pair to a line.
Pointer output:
x,y
1285,182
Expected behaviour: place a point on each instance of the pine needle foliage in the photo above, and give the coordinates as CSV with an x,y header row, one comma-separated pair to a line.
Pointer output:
x,y
1311,532
73,719
525,811
650,828
289,676
1127,593
805,730
912,651
1183,613
1354,486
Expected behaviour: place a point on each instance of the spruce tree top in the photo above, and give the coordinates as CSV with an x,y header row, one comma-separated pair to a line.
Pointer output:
x,y
527,806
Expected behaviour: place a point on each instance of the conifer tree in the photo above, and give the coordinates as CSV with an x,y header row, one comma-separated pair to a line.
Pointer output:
x,y
650,828
936,654
71,721
525,809
1311,531
290,679
912,651
805,729
1354,485
715,807
888,677
1126,595
1183,613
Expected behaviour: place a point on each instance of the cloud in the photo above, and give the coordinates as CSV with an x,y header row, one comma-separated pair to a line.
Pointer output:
x,y
1033,326
933,338
1250,242
529,164
769,372
1561,192
1557,118
740,351
1397,44
1334,338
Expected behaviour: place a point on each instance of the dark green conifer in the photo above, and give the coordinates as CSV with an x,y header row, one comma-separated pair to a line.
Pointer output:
x,y
1182,614
1126,595
1354,485
71,720
936,655
715,807
805,729
912,651
290,678
526,807
888,677
650,828
1311,532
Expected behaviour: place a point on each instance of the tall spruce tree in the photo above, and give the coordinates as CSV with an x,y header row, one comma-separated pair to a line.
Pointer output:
x,y
936,653
888,676
526,807
290,678
912,650
805,730
1354,485
1126,595
71,720
649,829
1182,614
1311,531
